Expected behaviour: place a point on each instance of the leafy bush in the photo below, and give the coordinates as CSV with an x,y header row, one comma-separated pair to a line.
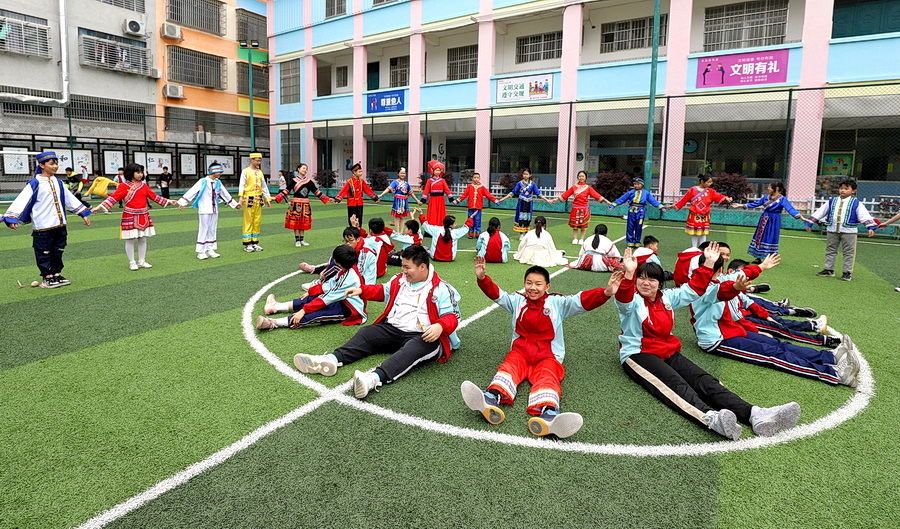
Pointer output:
x,y
377,178
465,176
612,184
508,181
326,178
733,185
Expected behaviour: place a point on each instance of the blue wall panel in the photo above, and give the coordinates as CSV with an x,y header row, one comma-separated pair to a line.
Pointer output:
x,y
288,15
337,30
619,79
332,107
449,95
871,58
385,18
291,41
435,10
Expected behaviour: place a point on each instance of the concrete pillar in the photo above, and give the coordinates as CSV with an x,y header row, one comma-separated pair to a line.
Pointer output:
x,y
678,47
567,137
487,44
415,139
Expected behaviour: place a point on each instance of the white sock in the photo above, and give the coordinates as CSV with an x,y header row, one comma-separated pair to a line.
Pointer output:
x,y
283,306
329,355
142,248
694,239
129,249
283,322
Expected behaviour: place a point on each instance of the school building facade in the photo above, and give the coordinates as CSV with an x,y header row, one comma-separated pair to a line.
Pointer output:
x,y
773,89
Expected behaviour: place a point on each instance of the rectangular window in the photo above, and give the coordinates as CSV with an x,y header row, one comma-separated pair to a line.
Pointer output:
x,y
541,47
379,2
400,71
197,68
107,110
187,119
260,80
290,81
24,34
462,63
335,8
111,52
745,25
132,5
341,76
205,15
631,34
25,109
251,26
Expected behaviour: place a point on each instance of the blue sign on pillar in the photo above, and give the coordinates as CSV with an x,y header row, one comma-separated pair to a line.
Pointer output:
x,y
390,101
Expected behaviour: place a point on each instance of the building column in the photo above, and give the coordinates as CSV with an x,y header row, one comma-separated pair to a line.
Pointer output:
x,y
678,47
415,139
487,45
309,149
567,136
360,84
807,134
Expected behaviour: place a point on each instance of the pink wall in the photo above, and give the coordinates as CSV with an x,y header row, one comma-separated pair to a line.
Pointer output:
x,y
678,47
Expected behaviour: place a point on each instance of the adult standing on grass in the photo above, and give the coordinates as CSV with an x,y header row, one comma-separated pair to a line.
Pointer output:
x,y
418,325
353,190
299,213
252,191
651,355
768,230
165,182
44,202
136,223
537,350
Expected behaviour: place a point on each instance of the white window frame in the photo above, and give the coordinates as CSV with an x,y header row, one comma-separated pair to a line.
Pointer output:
x,y
399,68
341,76
540,47
462,62
335,8
745,25
632,34
289,74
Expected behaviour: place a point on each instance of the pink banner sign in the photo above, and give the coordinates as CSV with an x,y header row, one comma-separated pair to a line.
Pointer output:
x,y
743,69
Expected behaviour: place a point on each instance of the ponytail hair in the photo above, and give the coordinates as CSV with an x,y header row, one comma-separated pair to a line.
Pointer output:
x,y
599,229
493,226
449,221
539,223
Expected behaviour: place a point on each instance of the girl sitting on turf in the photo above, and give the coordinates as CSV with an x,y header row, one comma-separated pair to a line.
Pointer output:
x,y
536,247
598,254
444,239
493,244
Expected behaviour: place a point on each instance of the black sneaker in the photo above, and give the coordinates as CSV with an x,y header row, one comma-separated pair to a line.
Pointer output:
x,y
762,287
832,342
50,282
826,273
62,280
785,303
846,276
804,312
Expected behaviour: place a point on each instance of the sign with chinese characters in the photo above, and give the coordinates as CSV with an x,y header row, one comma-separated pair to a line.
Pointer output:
x,y
743,69
391,101
533,88
837,163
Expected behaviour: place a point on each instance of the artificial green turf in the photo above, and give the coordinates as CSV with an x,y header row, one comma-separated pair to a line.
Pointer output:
x,y
124,378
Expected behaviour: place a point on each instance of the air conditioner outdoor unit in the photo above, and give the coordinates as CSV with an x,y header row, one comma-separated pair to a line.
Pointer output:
x,y
155,73
173,91
133,26
203,137
171,31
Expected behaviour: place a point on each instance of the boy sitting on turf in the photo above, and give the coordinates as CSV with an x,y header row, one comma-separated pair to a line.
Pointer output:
x,y
365,261
537,350
324,302
405,239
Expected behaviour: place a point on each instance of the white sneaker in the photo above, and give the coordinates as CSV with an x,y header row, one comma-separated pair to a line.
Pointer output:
x,y
724,423
144,264
551,422
483,402
249,248
574,241
820,324
266,324
846,362
307,286
202,255
580,241
766,422
364,383
257,248
304,243
298,244
270,304
212,253
133,266
320,364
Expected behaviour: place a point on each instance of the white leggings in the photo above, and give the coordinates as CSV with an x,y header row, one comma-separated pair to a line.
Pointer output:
x,y
142,248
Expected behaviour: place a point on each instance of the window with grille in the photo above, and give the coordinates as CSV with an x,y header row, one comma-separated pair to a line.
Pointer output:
x,y
251,26
379,2
26,109
106,110
24,34
462,62
744,25
341,76
260,80
196,68
631,34
335,8
187,120
539,47
400,71
111,52
205,15
133,5
290,81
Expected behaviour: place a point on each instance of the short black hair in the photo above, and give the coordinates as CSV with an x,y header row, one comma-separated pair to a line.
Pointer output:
x,y
351,231
376,225
417,254
344,256
412,225
132,168
704,244
737,264
538,270
720,262
848,182
649,239
69,169
652,271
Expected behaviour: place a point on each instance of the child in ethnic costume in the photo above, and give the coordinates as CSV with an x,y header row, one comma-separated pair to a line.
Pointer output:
x,y
475,194
768,230
637,199
299,213
252,190
353,190
136,222
100,185
581,212
436,189
598,254
44,201
493,244
700,197
536,352
526,191
402,192
205,195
